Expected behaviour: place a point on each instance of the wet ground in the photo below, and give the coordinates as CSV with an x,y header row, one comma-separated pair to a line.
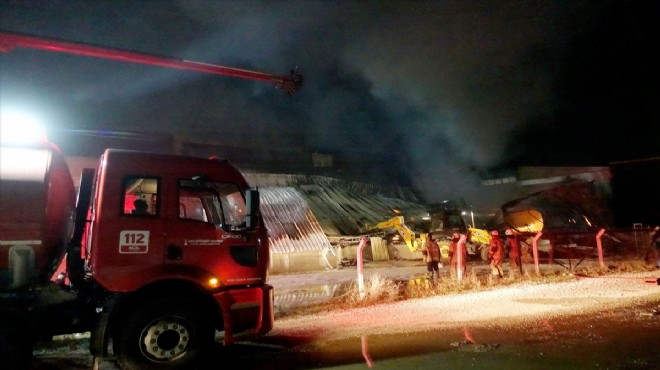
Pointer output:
x,y
620,339
626,337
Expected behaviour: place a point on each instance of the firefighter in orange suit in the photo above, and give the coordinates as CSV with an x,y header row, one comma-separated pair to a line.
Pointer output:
x,y
511,244
431,253
495,254
454,247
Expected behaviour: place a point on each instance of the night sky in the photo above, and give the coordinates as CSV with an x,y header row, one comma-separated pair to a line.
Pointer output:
x,y
434,95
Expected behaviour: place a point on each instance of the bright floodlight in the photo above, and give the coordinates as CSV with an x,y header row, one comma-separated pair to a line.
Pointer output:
x,y
20,129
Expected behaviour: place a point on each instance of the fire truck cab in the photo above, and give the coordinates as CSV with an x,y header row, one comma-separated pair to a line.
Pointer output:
x,y
194,261
164,251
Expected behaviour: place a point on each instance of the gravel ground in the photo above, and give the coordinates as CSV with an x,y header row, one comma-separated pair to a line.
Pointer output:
x,y
503,306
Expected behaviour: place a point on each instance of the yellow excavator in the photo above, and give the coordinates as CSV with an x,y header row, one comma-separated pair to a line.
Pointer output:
x,y
478,243
442,222
414,240
409,237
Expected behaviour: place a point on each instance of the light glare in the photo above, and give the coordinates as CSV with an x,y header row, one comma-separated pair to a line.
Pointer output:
x,y
20,129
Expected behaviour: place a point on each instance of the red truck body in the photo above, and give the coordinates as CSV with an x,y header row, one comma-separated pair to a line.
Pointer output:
x,y
201,241
127,251
183,237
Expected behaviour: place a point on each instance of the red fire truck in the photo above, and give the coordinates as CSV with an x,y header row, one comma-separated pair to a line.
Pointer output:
x,y
161,251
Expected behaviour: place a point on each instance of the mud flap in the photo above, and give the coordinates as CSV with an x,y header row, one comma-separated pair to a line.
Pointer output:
x,y
246,312
98,341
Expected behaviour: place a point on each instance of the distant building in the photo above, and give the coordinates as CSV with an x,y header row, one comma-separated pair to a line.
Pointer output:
x,y
628,191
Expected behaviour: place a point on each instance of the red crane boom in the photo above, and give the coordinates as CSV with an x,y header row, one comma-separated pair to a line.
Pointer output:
x,y
9,41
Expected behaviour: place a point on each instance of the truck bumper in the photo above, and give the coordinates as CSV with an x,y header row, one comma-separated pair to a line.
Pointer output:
x,y
246,312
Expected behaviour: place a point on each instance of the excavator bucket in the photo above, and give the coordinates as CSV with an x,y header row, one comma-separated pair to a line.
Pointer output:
x,y
528,220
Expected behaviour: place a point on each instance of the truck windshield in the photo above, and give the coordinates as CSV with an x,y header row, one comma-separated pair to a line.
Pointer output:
x,y
219,203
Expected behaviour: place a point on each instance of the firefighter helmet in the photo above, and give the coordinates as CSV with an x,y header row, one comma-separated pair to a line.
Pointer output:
x,y
494,233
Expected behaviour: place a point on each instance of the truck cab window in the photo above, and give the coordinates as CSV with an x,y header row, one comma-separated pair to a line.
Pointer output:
x,y
140,196
455,221
233,208
193,206
219,203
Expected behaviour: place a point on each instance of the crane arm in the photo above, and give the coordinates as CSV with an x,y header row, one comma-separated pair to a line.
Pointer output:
x,y
9,41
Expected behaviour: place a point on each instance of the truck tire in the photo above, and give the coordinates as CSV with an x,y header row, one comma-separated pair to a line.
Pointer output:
x,y
483,251
167,333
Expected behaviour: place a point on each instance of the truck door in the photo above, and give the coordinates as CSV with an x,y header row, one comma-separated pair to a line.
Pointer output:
x,y
140,215
126,234
210,232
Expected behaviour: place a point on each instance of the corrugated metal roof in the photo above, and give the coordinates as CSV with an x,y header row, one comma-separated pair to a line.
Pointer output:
x,y
291,224
345,212
302,211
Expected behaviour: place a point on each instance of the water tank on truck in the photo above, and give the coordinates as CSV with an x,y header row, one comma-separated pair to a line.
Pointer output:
x,y
37,201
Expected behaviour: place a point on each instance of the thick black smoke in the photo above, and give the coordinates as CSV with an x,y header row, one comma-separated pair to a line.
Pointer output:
x,y
428,94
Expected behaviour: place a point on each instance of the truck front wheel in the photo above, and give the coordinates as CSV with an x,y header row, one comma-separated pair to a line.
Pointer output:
x,y
163,334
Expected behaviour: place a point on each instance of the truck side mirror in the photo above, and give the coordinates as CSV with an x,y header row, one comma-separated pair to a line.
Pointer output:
x,y
252,205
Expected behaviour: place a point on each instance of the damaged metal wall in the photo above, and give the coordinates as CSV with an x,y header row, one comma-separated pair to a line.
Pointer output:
x,y
291,224
340,208
345,212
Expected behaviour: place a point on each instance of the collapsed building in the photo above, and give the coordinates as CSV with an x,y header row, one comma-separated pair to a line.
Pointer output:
x,y
315,222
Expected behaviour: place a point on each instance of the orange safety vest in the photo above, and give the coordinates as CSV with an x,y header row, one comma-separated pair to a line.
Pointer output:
x,y
432,251
495,249
514,248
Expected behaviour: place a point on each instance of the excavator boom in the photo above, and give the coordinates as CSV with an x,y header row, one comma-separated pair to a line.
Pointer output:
x,y
398,223
9,41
